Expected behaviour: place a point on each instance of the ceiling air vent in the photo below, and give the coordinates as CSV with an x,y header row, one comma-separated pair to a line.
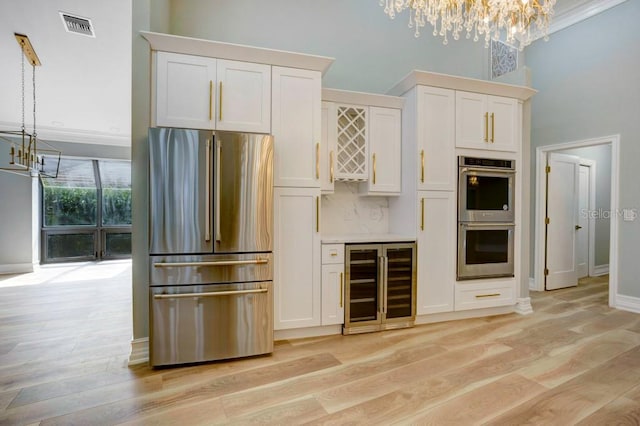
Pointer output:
x,y
77,24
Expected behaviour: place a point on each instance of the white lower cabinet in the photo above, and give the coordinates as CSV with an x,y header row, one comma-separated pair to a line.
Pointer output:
x,y
332,284
296,275
484,294
333,294
436,252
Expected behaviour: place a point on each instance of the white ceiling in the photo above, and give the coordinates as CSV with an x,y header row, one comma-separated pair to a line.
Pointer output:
x,y
84,84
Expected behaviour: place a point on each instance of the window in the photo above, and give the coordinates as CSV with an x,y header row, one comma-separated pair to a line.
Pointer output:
x,y
86,211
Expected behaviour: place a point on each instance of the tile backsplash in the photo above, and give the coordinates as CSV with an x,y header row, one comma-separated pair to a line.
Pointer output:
x,y
346,212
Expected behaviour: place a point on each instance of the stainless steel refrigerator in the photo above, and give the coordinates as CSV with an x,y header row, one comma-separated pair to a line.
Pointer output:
x,y
210,245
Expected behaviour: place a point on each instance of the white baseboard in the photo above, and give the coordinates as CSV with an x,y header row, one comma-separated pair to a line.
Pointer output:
x,y
16,268
139,351
627,303
523,306
532,284
599,270
301,333
458,315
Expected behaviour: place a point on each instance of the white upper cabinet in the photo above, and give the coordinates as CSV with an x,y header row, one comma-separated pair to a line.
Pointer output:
x,y
352,142
296,119
435,121
184,92
196,92
486,122
244,97
384,151
328,147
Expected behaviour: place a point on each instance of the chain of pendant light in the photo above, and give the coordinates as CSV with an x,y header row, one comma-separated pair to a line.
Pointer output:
x,y
28,157
480,17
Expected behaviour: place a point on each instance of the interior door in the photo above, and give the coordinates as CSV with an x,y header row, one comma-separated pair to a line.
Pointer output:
x,y
582,229
562,212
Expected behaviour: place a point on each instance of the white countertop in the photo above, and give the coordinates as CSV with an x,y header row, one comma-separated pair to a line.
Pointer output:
x,y
366,238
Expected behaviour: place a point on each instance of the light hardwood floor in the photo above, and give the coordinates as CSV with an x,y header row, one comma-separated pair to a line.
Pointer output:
x,y
64,344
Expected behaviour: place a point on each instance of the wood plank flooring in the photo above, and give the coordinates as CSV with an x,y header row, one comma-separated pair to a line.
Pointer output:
x,y
64,343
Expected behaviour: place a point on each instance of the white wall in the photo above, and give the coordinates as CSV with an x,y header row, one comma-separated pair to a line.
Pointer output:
x,y
372,52
587,77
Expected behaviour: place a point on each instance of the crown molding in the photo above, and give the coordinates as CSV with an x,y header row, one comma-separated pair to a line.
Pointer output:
x,y
56,134
580,12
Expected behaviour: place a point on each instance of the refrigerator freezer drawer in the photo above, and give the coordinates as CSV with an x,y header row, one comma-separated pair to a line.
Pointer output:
x,y
210,322
192,270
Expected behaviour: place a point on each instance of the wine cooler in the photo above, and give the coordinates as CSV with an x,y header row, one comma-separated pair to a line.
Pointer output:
x,y
380,286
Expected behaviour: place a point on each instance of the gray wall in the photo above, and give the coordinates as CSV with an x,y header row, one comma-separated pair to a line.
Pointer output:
x,y
15,218
587,77
602,156
147,15
372,52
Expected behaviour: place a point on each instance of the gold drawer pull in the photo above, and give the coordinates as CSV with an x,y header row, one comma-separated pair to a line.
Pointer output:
x,y
480,296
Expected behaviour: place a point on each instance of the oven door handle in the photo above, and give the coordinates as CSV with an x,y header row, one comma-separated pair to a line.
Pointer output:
x,y
487,225
486,170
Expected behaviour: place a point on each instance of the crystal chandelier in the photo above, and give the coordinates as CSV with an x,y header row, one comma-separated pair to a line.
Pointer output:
x,y
27,152
480,18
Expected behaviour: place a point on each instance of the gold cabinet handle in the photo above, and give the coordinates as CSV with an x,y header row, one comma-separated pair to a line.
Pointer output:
x,y
220,102
317,161
422,214
493,127
422,166
480,296
341,290
486,127
374,168
331,167
210,100
317,214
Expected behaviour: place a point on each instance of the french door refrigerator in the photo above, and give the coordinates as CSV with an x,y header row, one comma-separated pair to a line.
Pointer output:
x,y
380,286
210,245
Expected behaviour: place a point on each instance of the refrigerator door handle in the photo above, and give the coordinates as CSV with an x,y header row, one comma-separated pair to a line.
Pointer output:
x,y
215,263
218,189
207,205
210,294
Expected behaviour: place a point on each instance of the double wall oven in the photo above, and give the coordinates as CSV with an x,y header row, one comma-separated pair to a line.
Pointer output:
x,y
486,218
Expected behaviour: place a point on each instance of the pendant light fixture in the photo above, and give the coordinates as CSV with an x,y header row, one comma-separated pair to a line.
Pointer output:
x,y
28,155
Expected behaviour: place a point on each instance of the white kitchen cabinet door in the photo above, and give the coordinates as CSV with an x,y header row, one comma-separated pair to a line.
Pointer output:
x,y
385,143
296,127
486,122
328,146
184,91
333,294
436,252
436,139
296,253
503,117
243,97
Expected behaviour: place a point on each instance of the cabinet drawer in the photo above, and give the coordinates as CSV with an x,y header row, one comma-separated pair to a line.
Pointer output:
x,y
332,253
478,296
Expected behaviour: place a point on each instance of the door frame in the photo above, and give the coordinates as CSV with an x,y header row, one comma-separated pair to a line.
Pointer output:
x,y
540,205
591,228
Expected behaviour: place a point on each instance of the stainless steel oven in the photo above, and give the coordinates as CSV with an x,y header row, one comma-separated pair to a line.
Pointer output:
x,y
486,190
485,250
